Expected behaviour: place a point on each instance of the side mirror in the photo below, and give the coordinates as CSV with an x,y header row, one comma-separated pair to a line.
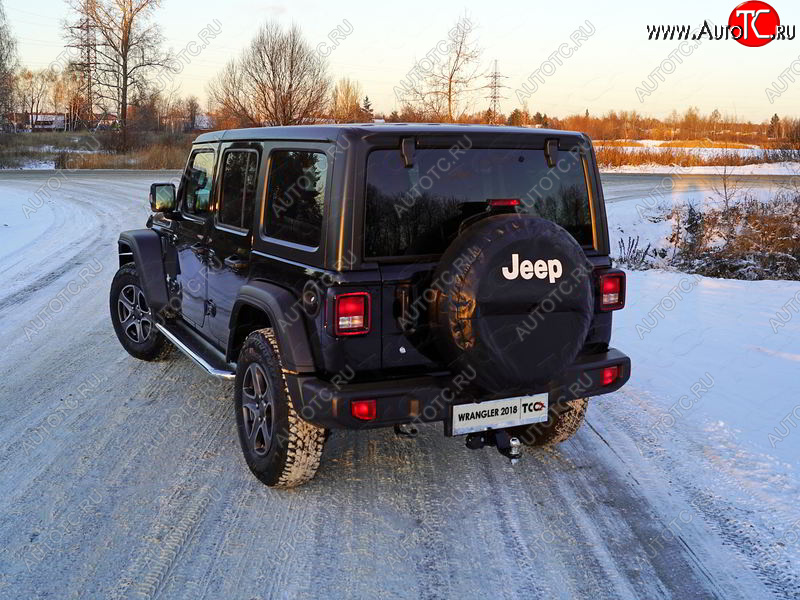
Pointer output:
x,y
162,197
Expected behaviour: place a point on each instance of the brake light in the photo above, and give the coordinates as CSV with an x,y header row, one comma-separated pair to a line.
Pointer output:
x,y
364,410
352,313
612,290
497,202
610,374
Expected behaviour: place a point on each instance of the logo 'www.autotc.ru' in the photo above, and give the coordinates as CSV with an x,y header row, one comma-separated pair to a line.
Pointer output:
x,y
753,23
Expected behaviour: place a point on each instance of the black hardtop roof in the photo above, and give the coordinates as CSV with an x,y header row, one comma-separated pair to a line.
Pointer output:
x,y
330,132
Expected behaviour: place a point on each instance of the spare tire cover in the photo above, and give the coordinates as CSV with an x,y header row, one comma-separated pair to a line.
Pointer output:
x,y
514,302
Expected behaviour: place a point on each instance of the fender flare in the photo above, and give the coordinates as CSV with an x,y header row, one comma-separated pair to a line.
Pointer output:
x,y
145,244
281,306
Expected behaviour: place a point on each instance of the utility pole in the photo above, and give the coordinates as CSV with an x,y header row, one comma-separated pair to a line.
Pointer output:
x,y
494,92
86,41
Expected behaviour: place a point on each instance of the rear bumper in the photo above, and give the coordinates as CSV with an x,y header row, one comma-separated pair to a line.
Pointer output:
x,y
428,398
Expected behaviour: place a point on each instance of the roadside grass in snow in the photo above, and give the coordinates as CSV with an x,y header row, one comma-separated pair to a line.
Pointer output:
x,y
155,158
73,140
737,237
703,144
24,150
611,156
94,150
622,143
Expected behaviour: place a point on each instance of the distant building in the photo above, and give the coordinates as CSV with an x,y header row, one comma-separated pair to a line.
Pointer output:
x,y
47,122
202,122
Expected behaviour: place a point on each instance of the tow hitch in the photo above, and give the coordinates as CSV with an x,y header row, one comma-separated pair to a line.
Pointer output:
x,y
507,445
406,430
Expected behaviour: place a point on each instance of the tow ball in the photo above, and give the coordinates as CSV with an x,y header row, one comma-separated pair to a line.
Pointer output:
x,y
506,445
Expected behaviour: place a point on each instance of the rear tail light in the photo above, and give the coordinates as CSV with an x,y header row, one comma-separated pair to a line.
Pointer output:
x,y
612,290
352,313
363,410
498,202
610,375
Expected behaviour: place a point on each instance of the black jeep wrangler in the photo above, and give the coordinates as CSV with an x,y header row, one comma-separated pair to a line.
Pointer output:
x,y
358,276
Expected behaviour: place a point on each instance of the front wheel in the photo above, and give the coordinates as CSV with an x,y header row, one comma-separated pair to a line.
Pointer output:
x,y
563,421
280,448
133,319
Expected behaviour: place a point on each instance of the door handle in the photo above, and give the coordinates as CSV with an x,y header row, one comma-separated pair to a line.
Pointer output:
x,y
234,261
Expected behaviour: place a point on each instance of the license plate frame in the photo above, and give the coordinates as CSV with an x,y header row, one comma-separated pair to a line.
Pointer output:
x,y
498,414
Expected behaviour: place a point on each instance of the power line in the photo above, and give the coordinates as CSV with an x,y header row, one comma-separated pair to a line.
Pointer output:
x,y
85,39
494,93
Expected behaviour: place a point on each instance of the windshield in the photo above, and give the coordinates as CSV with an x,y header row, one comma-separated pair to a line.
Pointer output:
x,y
418,210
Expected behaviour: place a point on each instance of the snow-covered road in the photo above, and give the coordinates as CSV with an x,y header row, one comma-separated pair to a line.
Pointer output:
x,y
124,479
694,187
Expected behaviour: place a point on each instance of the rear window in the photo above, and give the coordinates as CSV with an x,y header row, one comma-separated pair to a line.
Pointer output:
x,y
418,210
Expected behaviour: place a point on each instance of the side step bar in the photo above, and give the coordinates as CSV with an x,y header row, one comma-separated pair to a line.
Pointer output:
x,y
193,346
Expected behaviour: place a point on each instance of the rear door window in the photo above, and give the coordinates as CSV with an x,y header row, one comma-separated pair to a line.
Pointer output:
x,y
296,196
417,211
239,180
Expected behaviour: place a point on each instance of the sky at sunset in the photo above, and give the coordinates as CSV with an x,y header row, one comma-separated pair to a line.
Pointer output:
x,y
388,38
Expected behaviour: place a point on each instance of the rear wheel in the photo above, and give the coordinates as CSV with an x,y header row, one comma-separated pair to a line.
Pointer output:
x,y
280,448
133,319
564,420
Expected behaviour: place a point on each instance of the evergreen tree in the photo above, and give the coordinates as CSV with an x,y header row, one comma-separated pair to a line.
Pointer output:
x,y
516,118
774,126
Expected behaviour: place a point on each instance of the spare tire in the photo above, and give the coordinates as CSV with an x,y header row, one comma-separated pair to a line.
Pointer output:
x,y
514,302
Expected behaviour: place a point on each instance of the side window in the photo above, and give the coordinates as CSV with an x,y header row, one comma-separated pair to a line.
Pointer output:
x,y
197,183
296,196
239,178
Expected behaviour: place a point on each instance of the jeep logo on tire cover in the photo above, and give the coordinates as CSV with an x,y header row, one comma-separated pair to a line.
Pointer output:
x,y
550,269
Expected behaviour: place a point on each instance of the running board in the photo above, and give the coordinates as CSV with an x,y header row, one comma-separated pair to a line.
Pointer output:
x,y
192,345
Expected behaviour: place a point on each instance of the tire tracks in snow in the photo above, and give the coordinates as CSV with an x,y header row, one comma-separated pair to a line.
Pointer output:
x,y
384,517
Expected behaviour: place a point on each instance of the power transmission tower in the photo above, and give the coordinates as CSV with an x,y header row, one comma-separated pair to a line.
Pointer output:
x,y
84,38
494,92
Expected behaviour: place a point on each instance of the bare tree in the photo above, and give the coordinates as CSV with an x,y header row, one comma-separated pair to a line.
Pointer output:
x,y
345,101
278,80
128,48
441,92
34,89
73,99
727,194
8,64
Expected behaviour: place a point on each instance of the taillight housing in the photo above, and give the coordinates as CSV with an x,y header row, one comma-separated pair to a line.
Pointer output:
x,y
610,374
351,314
364,410
611,292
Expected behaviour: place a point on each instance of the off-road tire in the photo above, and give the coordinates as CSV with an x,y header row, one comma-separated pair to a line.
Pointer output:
x,y
292,455
564,420
153,345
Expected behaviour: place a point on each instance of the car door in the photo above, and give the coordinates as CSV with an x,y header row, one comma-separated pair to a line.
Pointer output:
x,y
232,233
192,235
